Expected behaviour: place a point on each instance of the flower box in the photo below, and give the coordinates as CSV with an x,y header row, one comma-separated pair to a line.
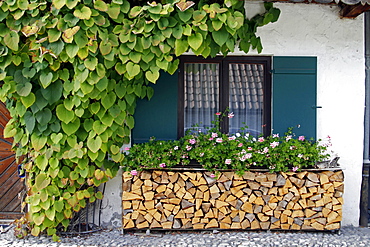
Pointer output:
x,y
193,199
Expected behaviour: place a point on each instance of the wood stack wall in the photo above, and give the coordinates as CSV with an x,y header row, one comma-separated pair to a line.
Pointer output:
x,y
159,199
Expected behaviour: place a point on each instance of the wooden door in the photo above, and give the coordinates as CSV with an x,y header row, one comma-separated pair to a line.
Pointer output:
x,y
11,185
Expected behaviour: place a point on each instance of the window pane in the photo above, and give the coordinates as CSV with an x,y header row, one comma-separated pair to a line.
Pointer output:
x,y
201,86
246,97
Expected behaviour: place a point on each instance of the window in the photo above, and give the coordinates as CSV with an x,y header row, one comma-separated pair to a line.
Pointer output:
x,y
240,84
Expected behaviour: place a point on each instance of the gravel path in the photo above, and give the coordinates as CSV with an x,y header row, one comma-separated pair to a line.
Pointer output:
x,y
347,236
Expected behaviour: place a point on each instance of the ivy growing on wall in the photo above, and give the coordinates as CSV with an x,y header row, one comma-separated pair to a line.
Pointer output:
x,y
71,72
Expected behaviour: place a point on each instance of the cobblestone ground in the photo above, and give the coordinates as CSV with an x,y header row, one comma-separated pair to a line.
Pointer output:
x,y
347,236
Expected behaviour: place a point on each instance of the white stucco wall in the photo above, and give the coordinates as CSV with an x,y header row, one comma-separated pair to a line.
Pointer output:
x,y
312,30
338,44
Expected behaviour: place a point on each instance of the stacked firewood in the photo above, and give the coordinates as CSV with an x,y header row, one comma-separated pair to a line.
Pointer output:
x,y
162,199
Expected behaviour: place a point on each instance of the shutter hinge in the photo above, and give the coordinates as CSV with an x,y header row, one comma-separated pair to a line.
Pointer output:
x,y
316,106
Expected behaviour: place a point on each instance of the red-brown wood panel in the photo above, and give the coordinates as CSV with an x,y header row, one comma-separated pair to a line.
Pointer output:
x,y
11,186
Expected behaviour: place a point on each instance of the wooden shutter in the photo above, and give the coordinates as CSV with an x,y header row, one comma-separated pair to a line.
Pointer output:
x,y
158,116
294,95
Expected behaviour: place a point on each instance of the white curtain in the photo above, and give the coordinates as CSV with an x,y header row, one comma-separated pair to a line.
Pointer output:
x,y
202,83
246,97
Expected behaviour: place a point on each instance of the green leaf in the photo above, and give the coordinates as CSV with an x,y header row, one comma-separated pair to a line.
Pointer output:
x,y
38,142
64,115
195,41
11,40
53,92
220,37
72,50
98,127
130,121
91,63
59,205
45,79
41,181
94,144
152,76
84,13
108,100
41,162
54,35
28,100
43,116
100,5
30,121
58,4
71,127
23,89
185,15
132,69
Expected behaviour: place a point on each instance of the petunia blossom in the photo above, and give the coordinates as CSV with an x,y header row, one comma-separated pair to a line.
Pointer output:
x,y
301,138
228,161
192,141
219,140
240,145
231,138
265,150
176,148
214,135
212,175
288,138
295,168
275,135
162,165
188,148
261,139
127,148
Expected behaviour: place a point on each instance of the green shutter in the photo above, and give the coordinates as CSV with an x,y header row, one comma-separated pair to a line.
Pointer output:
x,y
158,116
294,95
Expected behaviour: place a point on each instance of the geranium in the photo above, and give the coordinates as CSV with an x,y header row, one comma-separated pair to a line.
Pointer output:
x,y
133,172
214,150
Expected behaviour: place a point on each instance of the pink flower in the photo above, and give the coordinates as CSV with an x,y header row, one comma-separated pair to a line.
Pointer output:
x,y
292,147
192,141
288,138
218,113
210,139
295,168
230,115
261,139
245,156
162,165
127,148
300,155
212,175
274,144
275,135
188,147
301,138
133,172
240,145
201,154
231,138
214,135
219,140
265,150
228,161
250,148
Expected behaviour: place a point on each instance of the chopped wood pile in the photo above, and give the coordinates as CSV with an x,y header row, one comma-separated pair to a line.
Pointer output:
x,y
162,199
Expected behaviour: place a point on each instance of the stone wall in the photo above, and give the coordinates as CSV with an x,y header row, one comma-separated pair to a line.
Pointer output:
x,y
159,199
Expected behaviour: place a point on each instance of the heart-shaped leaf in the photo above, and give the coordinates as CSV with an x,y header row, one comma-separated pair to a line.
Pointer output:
x,y
108,100
98,127
152,76
132,69
58,4
72,50
91,63
28,100
196,40
94,144
45,79
24,89
84,13
101,5
43,117
11,40
63,114
221,36
41,181
56,138
71,127
69,33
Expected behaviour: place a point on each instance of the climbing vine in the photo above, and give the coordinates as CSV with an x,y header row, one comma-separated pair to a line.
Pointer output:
x,y
71,72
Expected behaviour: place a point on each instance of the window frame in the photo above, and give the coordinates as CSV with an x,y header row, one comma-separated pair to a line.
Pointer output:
x,y
224,87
